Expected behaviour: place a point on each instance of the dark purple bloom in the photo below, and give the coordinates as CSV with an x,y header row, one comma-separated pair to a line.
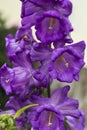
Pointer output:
x,y
35,65
22,42
12,47
13,80
52,112
42,53
29,7
24,33
29,13
51,15
75,123
67,62
23,73
52,27
62,42
64,6
63,63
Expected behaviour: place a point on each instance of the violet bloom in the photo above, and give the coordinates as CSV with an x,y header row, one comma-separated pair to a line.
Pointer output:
x,y
12,47
55,26
23,75
33,8
22,41
29,13
13,80
63,63
64,6
42,53
24,33
75,123
67,62
52,112
53,15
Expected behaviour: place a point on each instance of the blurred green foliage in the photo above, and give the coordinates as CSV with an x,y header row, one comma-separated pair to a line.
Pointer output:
x,y
3,33
2,21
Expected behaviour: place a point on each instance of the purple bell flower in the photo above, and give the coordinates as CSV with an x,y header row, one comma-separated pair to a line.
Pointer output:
x,y
55,26
53,112
64,6
63,63
13,80
22,75
35,65
29,7
67,62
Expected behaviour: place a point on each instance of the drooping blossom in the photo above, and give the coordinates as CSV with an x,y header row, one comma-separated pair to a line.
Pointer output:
x,y
63,63
54,112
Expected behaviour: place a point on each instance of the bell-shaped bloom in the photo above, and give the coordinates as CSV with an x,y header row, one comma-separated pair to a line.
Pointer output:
x,y
31,9
67,62
52,27
50,14
51,114
13,80
63,63
22,75
64,6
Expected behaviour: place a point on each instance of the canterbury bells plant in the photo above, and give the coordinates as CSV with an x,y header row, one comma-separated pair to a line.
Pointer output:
x,y
32,104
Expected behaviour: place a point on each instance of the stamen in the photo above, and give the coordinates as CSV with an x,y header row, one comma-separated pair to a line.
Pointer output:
x,y
25,37
67,65
52,21
64,60
7,80
58,61
49,119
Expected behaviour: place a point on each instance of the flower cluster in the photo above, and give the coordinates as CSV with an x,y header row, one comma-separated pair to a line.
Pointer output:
x,y
36,64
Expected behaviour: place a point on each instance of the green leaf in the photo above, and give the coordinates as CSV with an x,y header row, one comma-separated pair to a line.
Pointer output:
x,y
11,128
67,125
20,111
7,122
2,125
10,122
